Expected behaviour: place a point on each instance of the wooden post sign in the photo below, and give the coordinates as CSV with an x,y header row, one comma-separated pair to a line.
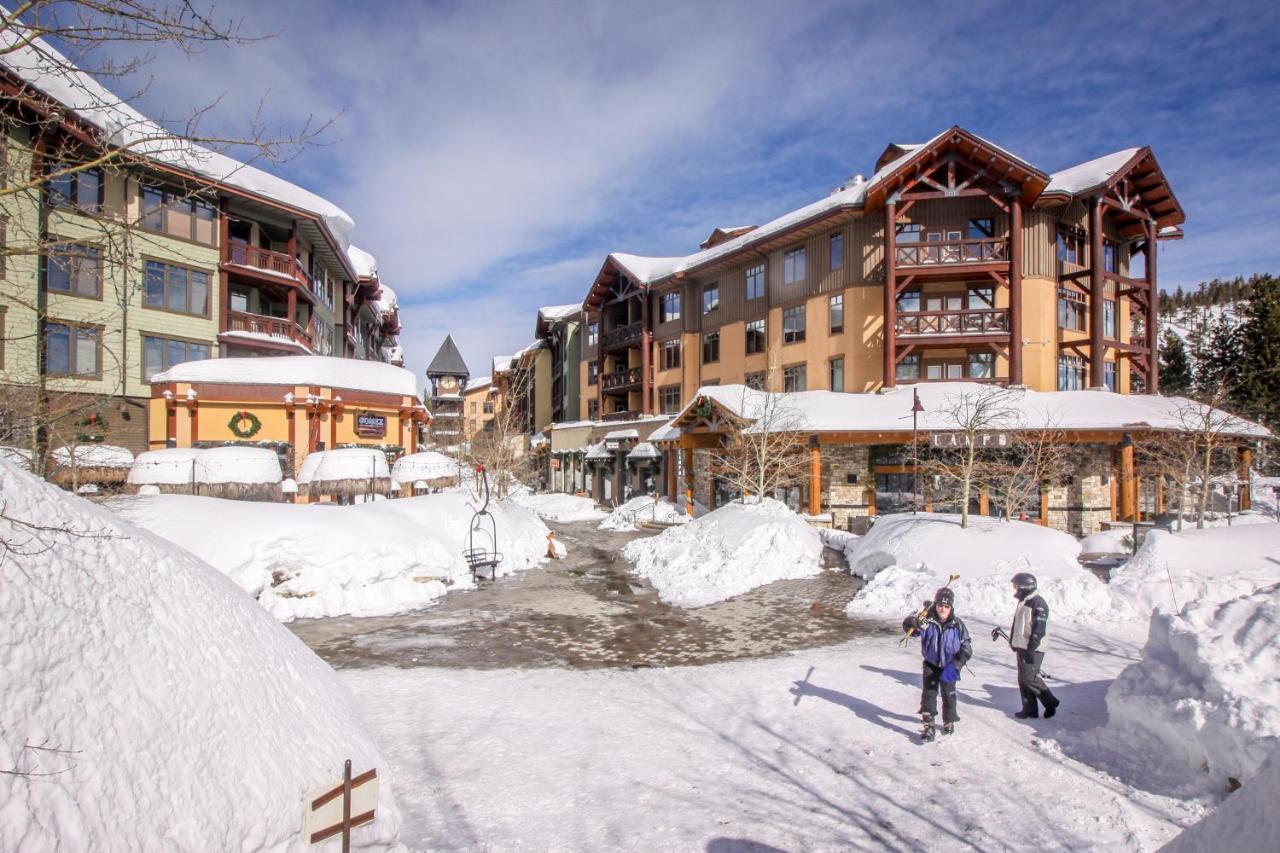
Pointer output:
x,y
338,810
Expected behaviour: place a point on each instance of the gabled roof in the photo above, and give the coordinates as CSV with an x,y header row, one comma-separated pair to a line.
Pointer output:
x,y
448,361
719,235
1134,174
1089,175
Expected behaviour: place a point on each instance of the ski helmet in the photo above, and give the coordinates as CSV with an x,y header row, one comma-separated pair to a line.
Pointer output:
x,y
1025,582
944,596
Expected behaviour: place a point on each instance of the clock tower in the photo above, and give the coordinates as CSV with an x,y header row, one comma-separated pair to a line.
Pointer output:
x,y
448,375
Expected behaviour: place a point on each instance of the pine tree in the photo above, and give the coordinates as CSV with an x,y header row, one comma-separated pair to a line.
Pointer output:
x,y
1257,370
1216,348
1176,377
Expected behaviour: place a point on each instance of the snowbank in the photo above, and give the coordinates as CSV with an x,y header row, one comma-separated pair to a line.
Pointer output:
x,y
370,559
18,456
1248,820
643,508
555,506
155,707
427,465
177,465
93,456
727,552
907,557
1217,564
1206,688
1117,540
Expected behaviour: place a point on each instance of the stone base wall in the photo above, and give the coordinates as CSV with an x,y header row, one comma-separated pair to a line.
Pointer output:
x,y
1080,505
846,500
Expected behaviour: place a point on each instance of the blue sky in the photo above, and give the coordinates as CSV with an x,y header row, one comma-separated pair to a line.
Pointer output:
x,y
493,154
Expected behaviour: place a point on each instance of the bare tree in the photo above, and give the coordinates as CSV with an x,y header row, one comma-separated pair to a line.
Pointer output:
x,y
971,420
1035,458
764,447
502,446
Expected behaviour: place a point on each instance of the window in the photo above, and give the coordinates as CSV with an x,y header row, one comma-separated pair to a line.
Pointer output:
x,y
1072,310
1109,257
475,407
1070,246
837,251
793,266
909,301
160,354
1109,375
755,336
756,380
908,232
593,410
755,282
793,378
1109,319
593,334
1070,373
71,350
710,347
75,269
81,189
710,298
982,365
670,354
593,372
982,296
793,324
909,368
837,374
175,288
669,399
944,370
669,308
178,215
981,229
836,312
488,407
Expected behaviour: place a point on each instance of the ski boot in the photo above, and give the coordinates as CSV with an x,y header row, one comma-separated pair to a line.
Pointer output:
x,y
949,729
927,732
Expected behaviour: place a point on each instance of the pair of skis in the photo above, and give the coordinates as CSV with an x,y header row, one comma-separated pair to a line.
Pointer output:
x,y
928,732
924,614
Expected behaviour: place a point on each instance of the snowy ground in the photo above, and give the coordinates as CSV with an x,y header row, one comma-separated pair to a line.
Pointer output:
x,y
809,751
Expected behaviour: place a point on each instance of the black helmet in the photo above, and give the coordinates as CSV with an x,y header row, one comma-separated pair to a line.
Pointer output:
x,y
944,596
1025,583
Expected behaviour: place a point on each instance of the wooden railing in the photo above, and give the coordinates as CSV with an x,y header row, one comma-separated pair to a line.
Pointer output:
x,y
622,334
974,321
622,378
986,250
275,327
265,259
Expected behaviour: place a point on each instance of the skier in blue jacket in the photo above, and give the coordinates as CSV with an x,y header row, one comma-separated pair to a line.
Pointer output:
x,y
946,648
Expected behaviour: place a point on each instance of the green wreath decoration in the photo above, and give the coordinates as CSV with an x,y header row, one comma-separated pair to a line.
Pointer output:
x,y
94,428
244,424
703,407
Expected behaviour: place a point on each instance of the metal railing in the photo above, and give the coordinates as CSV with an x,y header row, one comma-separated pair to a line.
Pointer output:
x,y
622,334
622,378
985,250
972,321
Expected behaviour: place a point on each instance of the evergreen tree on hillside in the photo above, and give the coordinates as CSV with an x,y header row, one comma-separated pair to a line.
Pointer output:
x,y
1257,372
1176,378
1216,348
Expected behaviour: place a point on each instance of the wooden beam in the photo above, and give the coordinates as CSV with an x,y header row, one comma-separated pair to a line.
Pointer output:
x,y
1153,314
1096,293
889,380
815,476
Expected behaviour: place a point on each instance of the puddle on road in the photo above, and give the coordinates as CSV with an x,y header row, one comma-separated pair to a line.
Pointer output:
x,y
588,612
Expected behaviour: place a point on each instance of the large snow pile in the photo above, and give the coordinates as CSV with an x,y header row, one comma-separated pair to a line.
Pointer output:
x,y
907,557
19,456
1207,691
427,465
93,456
1247,821
365,560
644,508
727,552
348,463
232,464
1171,569
555,506
152,704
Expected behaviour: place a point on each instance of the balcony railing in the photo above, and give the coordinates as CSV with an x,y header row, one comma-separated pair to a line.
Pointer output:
x,y
622,378
275,327
622,334
984,251
276,263
974,321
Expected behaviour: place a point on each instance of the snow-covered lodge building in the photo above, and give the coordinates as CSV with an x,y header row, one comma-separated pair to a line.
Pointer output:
x,y
164,254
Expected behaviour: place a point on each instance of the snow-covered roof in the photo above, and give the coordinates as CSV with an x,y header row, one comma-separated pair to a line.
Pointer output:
x,y
502,363
828,411
666,432
243,334
386,303
621,435
644,450
427,465
94,456
365,264
477,384
552,313
289,370
47,70
347,463
598,451
1086,176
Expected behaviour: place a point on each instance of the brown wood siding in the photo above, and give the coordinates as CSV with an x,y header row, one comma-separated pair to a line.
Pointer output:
x,y
588,350
673,328
955,213
1039,244
866,240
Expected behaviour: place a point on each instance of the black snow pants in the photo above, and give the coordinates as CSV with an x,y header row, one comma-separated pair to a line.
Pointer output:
x,y
929,695
1031,684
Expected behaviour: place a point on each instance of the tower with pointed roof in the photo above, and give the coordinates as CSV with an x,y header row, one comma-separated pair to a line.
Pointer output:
x,y
448,375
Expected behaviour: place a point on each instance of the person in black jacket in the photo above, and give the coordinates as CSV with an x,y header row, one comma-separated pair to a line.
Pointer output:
x,y
946,648
1028,637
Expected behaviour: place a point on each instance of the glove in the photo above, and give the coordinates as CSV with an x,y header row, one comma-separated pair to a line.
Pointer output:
x,y
1026,656
950,672
995,633
909,624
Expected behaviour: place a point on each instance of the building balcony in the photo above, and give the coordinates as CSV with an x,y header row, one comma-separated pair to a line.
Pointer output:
x,y
624,379
953,253
627,415
954,325
621,336
274,332
277,267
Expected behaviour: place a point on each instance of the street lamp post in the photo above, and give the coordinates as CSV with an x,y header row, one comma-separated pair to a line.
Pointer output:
x,y
916,409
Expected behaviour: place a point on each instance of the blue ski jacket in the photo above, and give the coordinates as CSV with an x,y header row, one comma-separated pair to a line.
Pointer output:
x,y
945,645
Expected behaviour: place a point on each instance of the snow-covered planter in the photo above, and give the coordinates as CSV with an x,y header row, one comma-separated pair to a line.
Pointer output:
x,y
153,704
371,559
235,472
644,508
727,552
1207,690
555,506
91,463
346,472
430,469
907,557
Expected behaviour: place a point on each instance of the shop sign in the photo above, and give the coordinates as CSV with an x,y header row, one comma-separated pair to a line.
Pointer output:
x,y
987,440
555,464
371,425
